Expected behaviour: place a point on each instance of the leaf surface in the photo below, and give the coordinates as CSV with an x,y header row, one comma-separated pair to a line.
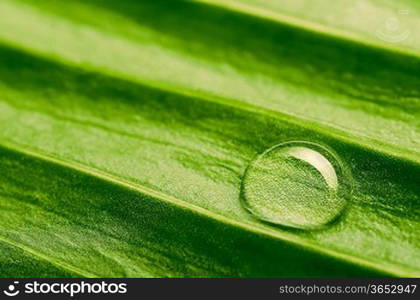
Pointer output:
x,y
124,138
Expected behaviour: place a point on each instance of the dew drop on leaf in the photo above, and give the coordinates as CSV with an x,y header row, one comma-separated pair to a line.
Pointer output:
x,y
297,184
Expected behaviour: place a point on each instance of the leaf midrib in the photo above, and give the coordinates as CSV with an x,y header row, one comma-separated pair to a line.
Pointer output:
x,y
332,130
289,238
317,28
298,120
387,149
62,265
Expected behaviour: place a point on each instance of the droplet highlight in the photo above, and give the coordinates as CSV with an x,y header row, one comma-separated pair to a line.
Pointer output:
x,y
297,184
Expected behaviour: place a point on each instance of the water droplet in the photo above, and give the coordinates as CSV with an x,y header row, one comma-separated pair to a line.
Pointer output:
x,y
296,184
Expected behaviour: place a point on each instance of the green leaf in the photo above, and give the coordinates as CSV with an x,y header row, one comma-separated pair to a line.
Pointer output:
x,y
126,127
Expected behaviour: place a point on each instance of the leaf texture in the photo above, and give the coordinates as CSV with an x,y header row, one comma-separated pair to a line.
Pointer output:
x,y
126,127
